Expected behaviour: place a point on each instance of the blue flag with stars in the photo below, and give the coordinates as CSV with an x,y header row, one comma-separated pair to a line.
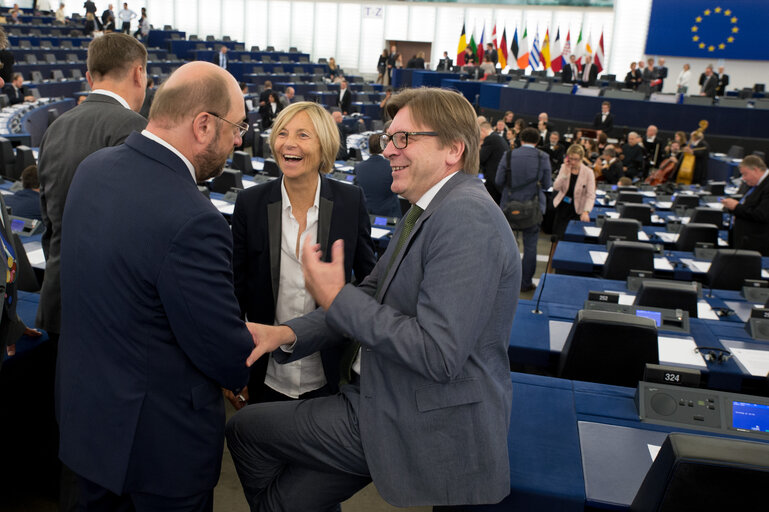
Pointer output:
x,y
716,29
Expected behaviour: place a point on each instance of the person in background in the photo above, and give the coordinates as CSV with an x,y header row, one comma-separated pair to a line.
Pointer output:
x,y
270,110
125,15
610,166
334,71
26,202
508,118
723,82
709,82
344,100
221,58
374,176
634,157
633,78
270,225
555,150
749,228
60,16
109,11
575,190
16,91
683,80
653,146
392,59
143,31
604,120
342,152
381,67
383,104
493,146
445,64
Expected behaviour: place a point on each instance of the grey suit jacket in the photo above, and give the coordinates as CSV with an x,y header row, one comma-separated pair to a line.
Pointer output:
x,y
100,121
435,396
527,163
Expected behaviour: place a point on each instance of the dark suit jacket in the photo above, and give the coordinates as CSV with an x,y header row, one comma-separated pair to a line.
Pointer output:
x,y
345,101
751,221
445,64
374,176
98,122
634,158
105,16
592,75
25,203
256,232
11,326
633,79
605,126
217,56
652,149
151,329
89,6
268,116
493,148
16,96
567,76
710,85
614,172
434,385
723,82
7,60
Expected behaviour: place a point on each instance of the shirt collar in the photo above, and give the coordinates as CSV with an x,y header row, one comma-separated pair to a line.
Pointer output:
x,y
287,201
762,178
428,196
112,95
173,150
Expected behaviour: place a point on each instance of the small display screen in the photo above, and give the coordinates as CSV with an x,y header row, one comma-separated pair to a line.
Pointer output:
x,y
380,221
480,175
654,315
17,225
350,177
750,416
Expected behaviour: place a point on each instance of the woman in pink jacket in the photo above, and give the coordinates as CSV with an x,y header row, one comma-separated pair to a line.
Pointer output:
x,y
575,187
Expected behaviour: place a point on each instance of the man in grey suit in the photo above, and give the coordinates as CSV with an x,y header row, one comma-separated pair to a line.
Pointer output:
x,y
522,174
117,75
427,406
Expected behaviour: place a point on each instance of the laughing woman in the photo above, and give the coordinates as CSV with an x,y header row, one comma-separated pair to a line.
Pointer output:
x,y
270,225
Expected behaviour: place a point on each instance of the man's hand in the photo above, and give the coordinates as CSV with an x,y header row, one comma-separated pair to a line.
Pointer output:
x,y
32,333
323,280
268,338
729,203
238,401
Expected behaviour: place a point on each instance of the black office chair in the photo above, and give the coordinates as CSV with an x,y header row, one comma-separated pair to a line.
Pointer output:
x,y
668,295
242,162
686,201
736,151
730,268
230,178
706,474
630,197
621,229
7,157
639,212
626,256
24,158
693,233
706,215
608,348
26,279
271,167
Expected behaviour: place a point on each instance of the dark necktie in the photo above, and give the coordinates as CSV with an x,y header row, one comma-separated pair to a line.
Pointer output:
x,y
348,356
742,201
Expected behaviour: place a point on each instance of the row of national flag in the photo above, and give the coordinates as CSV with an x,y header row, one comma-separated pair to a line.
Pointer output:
x,y
544,55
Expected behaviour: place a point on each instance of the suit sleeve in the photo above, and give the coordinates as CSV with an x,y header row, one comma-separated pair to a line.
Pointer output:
x,y
502,170
754,211
195,287
609,124
590,198
240,253
452,306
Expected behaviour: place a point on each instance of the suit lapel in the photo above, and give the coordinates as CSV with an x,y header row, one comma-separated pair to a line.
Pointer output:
x,y
274,223
326,208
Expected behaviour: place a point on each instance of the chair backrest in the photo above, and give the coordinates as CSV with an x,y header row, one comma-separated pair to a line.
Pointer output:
x,y
686,200
57,74
707,215
668,295
630,197
30,58
608,348
730,268
640,212
229,178
24,158
75,73
242,161
693,233
736,152
626,256
50,58
7,156
625,229
705,473
271,167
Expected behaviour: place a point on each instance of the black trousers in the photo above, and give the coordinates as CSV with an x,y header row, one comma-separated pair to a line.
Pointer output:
x,y
95,498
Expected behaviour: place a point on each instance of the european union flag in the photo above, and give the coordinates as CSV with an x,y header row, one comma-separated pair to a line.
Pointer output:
x,y
728,29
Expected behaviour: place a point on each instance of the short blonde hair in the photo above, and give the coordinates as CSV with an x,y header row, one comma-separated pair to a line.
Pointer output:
x,y
448,114
576,149
324,125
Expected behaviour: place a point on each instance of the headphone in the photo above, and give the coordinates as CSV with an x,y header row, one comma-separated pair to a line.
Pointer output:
x,y
714,354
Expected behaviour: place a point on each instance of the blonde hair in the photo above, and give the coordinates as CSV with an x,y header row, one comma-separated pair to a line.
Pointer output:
x,y
448,114
576,149
324,125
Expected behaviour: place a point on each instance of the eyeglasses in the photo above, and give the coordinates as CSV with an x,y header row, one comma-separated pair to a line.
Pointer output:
x,y
242,127
400,139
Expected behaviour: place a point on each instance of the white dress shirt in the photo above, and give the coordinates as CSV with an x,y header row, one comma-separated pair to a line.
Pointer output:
x,y
115,96
297,377
173,150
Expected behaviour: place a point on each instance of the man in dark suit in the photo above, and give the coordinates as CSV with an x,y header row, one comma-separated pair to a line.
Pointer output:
x,y
108,12
344,100
493,147
701,151
16,91
374,176
522,174
26,202
117,75
749,228
149,307
662,74
723,82
570,73
653,146
604,120
555,150
429,388
89,7
445,64
220,58
589,72
634,157
709,83
611,166
264,96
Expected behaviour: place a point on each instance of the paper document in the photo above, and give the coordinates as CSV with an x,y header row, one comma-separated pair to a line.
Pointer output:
x,y
653,450
715,206
598,257
592,230
223,206
755,362
248,184
722,243
679,351
662,263
667,237
379,232
612,215
559,331
705,312
656,219
642,236
665,205
626,298
6,192
741,309
697,266
764,273
649,193
35,255
257,164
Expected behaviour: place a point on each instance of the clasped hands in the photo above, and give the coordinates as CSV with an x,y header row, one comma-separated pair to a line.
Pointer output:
x,y
323,280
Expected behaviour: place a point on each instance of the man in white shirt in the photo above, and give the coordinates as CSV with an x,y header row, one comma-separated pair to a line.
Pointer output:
x,y
125,15
429,388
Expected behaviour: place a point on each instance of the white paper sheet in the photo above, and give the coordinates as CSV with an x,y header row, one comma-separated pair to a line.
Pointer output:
x,y
223,206
642,236
379,232
248,184
764,273
649,193
612,215
741,309
598,257
665,205
626,298
662,263
680,351
6,192
667,237
36,257
705,312
756,362
697,266
653,450
559,331
656,219
715,206
591,230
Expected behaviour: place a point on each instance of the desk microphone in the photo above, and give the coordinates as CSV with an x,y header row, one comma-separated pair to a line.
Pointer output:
x,y
553,241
